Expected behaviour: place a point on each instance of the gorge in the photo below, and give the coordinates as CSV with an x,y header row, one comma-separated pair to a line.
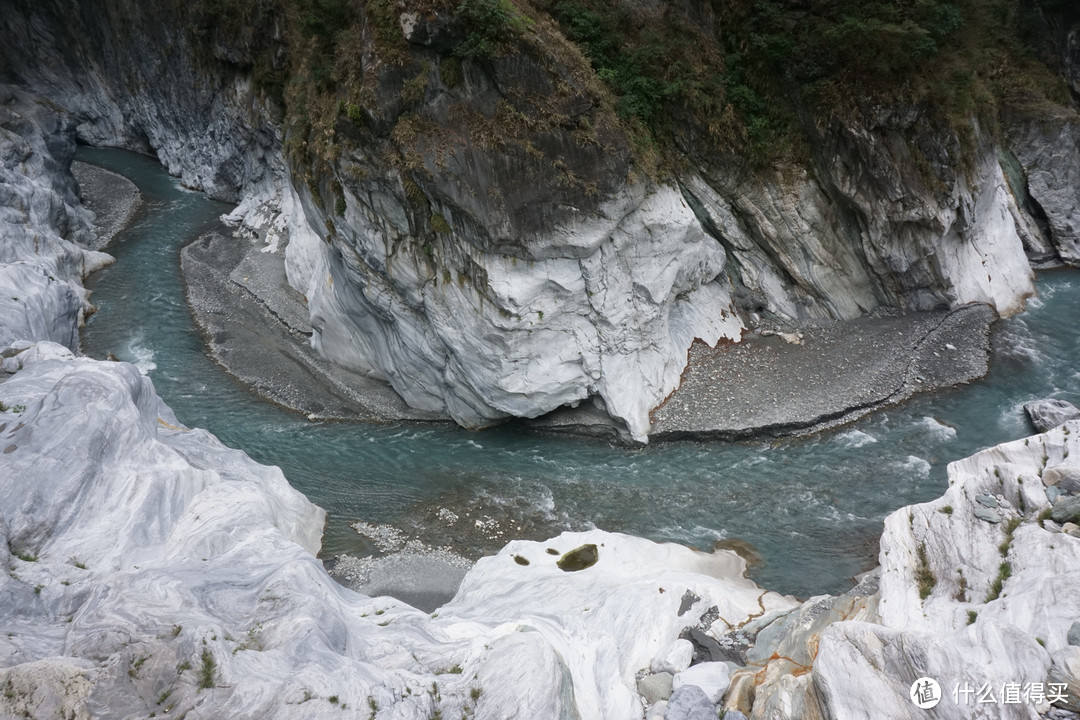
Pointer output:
x,y
514,221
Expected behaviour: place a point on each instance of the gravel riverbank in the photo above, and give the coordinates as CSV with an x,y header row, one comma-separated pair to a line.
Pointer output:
x,y
824,377
112,198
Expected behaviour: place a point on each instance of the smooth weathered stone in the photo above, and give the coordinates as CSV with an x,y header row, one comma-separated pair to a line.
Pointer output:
x,y
690,703
656,711
1066,509
986,514
1066,477
1047,414
712,677
1073,636
655,688
1066,670
675,658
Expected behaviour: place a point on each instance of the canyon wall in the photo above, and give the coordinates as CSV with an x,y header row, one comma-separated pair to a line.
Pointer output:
x,y
482,234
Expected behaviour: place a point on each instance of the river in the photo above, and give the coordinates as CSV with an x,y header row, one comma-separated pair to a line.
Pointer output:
x,y
811,508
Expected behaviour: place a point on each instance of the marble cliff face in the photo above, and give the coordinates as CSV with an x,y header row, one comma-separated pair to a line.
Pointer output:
x,y
478,234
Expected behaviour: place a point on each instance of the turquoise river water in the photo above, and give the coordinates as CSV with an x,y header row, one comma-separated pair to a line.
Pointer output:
x,y
811,508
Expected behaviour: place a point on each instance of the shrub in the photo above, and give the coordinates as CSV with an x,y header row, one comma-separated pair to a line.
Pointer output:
x,y
924,576
207,670
488,23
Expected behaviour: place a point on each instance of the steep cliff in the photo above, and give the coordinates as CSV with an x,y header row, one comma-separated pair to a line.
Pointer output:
x,y
499,221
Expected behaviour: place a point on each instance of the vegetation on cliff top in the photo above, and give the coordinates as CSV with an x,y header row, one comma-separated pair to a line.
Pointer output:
x,y
739,77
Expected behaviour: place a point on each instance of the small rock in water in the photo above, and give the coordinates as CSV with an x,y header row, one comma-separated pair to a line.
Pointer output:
x,y
579,558
655,688
990,516
1047,414
712,677
987,500
690,703
1073,638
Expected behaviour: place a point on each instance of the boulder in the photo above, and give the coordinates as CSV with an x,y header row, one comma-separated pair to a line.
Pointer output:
x,y
1065,477
711,677
1049,413
1066,509
655,688
690,703
675,658
1066,671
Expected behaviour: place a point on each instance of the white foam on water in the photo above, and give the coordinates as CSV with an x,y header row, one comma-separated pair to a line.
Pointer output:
x,y
751,461
690,536
1015,419
916,465
144,358
475,444
936,428
855,439
1018,341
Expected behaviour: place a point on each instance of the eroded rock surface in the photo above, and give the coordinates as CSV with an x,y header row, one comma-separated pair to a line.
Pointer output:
x,y
477,235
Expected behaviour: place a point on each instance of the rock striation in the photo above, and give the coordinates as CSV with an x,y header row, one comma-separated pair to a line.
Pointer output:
x,y
201,592
979,603
45,232
476,233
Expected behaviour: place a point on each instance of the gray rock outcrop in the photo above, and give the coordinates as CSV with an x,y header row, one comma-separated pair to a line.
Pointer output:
x,y
1047,414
